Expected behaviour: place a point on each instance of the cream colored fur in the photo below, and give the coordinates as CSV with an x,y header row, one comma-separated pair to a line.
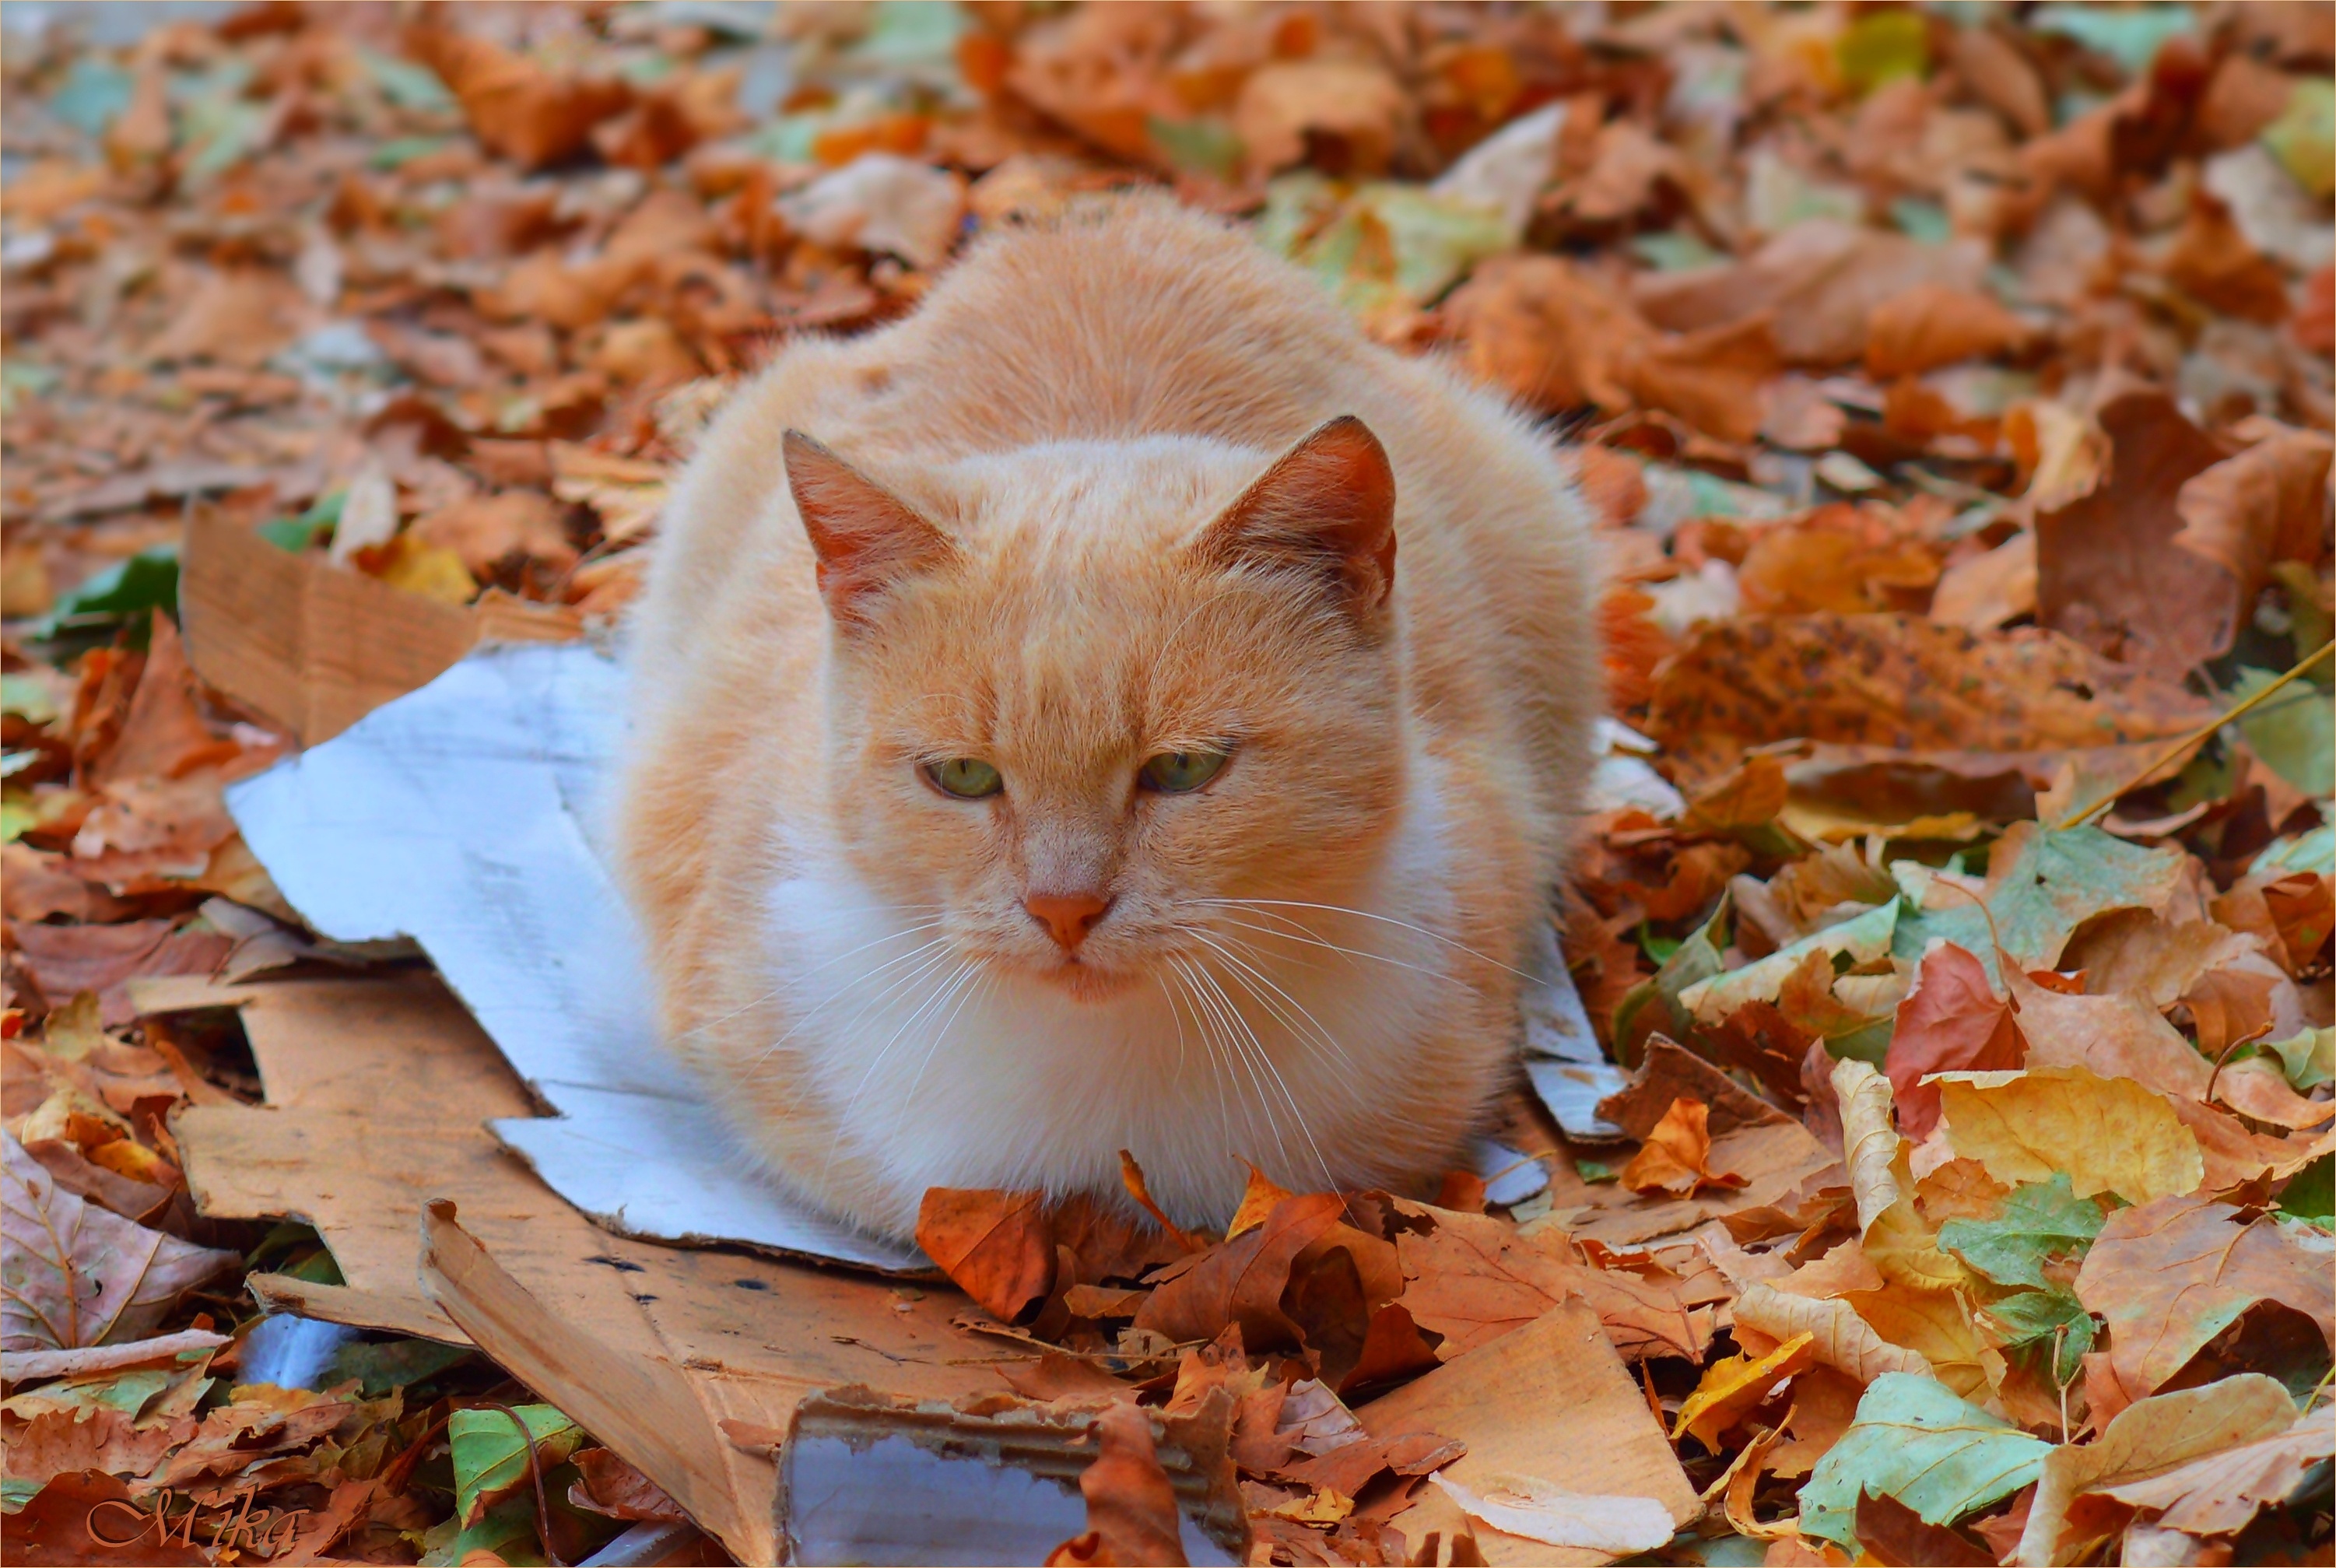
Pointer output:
x,y
841,951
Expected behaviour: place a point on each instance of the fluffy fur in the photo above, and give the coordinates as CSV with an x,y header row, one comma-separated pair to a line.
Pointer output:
x,y
1311,964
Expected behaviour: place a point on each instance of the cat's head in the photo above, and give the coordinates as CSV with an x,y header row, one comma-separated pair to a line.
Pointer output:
x,y
1082,694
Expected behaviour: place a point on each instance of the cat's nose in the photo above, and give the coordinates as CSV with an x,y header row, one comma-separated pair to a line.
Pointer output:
x,y
1067,917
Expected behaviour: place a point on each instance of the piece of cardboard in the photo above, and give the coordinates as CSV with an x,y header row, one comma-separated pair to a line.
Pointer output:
x,y
377,1088
1550,1401
313,646
466,815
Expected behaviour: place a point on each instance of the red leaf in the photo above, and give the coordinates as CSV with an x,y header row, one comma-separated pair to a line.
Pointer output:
x,y
1951,1022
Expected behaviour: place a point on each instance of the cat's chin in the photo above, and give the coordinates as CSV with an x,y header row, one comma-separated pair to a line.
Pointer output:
x,y
1084,982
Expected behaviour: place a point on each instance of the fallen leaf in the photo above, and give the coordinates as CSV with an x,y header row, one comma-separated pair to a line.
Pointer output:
x,y
1472,1277
52,1527
1915,1442
485,532
1891,1533
1931,324
78,1275
1903,685
2107,1134
1839,1337
2038,1221
2041,884
1676,1157
1239,1280
993,1246
492,1453
1822,279
1540,1511
2147,1439
1869,1139
2106,576
1132,1514
1950,1021
612,1488
2266,504
514,105
2169,1275
1732,1388
2217,1493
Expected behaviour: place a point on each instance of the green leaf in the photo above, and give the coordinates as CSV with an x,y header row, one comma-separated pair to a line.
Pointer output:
x,y
2034,1320
2037,1220
508,1531
1694,960
147,581
1867,937
393,1364
2309,1059
2310,1192
2295,732
297,534
2042,884
1914,1441
490,1458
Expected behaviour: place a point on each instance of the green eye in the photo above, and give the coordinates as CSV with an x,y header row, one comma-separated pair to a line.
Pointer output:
x,y
1179,772
965,777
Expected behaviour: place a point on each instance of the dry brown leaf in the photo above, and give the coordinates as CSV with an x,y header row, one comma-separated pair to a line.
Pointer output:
x,y
2169,1275
2267,504
515,106
1981,592
486,531
1951,1021
1239,1280
79,1275
2105,574
1902,685
2150,1438
1132,1514
993,1246
1931,324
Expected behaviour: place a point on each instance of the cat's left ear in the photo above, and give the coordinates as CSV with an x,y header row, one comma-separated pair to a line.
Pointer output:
x,y
865,537
1326,506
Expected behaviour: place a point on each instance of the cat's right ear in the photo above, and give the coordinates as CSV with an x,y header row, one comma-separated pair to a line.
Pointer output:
x,y
865,537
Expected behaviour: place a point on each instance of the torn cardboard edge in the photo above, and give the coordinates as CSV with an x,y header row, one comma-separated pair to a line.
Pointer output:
x,y
313,647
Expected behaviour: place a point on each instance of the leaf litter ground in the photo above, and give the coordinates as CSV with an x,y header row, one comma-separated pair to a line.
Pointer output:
x,y
1954,391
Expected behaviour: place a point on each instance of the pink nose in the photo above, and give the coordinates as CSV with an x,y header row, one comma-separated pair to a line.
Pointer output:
x,y
1067,917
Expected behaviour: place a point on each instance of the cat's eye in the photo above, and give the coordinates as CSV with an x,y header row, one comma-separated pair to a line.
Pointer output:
x,y
967,778
1179,772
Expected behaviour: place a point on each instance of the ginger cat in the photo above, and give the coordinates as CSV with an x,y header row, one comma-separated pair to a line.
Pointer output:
x,y
1117,706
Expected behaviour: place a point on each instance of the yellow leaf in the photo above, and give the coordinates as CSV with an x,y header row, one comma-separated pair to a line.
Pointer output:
x,y
1735,1386
430,571
1902,1247
1842,1340
1938,1326
2110,1135
1257,1202
1325,1506
1869,1139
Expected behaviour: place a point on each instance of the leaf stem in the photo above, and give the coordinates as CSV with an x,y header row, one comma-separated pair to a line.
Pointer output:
x,y
2193,738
